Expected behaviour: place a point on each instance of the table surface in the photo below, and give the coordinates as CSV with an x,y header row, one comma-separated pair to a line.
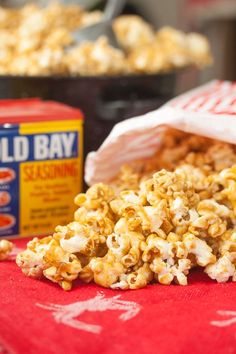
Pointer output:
x,y
37,316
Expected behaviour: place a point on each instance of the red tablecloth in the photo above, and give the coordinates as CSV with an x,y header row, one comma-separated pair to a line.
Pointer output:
x,y
39,317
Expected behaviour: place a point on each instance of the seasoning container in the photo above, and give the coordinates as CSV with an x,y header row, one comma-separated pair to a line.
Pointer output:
x,y
41,158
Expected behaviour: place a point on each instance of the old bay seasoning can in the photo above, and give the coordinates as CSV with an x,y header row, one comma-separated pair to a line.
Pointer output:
x,y
40,165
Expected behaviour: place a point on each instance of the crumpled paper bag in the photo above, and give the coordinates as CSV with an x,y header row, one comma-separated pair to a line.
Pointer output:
x,y
209,111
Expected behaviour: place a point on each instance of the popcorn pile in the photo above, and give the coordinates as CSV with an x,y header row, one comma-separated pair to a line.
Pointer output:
x,y
149,226
39,41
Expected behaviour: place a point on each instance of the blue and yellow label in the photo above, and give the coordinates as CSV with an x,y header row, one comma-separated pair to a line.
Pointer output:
x,y
40,174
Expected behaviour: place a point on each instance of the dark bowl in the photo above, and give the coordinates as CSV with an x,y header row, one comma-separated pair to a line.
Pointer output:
x,y
103,100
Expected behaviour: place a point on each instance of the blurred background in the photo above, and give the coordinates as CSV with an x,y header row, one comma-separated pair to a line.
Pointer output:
x,y
120,98
215,18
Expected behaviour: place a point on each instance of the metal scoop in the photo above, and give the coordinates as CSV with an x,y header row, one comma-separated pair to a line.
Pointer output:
x,y
104,28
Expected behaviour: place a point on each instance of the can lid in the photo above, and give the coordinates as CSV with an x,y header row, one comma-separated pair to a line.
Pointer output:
x,y
35,110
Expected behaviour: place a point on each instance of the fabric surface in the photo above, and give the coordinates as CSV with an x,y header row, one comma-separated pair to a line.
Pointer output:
x,y
39,317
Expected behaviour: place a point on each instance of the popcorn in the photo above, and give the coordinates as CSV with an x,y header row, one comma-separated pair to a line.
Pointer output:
x,y
199,49
135,280
64,266
97,58
166,273
169,49
39,41
5,249
223,269
176,212
148,59
225,266
132,31
200,249
106,271
31,261
46,258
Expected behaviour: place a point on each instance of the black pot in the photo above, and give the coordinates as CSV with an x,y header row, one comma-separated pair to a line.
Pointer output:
x,y
103,100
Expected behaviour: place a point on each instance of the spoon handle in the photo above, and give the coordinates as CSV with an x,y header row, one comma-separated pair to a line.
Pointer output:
x,y
113,9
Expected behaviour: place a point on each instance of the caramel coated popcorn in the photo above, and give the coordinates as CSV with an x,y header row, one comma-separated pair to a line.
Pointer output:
x,y
39,41
97,58
47,258
170,49
156,221
5,249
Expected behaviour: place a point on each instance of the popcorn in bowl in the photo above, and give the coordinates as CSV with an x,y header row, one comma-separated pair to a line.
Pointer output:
x,y
97,58
38,41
